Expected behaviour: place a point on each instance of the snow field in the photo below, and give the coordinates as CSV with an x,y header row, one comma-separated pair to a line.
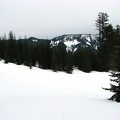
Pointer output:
x,y
38,94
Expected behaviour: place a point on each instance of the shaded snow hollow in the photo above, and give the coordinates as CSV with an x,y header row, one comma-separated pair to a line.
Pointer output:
x,y
38,94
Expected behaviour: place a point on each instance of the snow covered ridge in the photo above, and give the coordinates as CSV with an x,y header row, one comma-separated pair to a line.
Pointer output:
x,y
72,41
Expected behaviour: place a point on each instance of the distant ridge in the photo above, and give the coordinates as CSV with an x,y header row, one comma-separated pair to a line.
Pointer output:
x,y
72,41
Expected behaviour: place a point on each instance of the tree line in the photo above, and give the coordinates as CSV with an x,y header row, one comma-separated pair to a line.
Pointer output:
x,y
45,56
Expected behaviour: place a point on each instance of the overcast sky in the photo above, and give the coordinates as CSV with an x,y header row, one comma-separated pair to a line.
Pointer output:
x,y
51,18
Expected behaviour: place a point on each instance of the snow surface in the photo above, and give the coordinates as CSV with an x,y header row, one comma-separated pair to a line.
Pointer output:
x,y
38,94
34,40
70,44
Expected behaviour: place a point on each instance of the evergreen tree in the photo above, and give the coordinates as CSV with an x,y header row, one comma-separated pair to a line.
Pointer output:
x,y
49,54
4,45
20,59
117,35
83,59
39,54
101,24
26,52
78,58
44,55
30,64
69,62
11,49
62,53
33,55
6,58
86,64
54,62
115,74
108,49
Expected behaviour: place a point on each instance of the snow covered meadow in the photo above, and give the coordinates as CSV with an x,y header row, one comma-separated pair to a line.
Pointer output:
x,y
38,94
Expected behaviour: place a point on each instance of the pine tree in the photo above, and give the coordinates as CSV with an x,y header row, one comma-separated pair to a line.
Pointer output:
x,y
115,73
11,52
77,55
108,48
49,54
3,48
83,59
62,53
6,58
30,64
69,62
26,54
54,64
86,60
44,56
101,24
20,59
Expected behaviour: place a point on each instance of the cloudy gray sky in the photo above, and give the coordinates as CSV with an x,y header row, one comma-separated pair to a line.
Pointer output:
x,y
50,18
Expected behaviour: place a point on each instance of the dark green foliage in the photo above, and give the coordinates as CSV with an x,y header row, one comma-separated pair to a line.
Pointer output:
x,y
20,53
62,53
115,66
69,62
115,87
30,64
85,59
101,25
11,49
6,58
54,62
26,53
116,77
44,55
